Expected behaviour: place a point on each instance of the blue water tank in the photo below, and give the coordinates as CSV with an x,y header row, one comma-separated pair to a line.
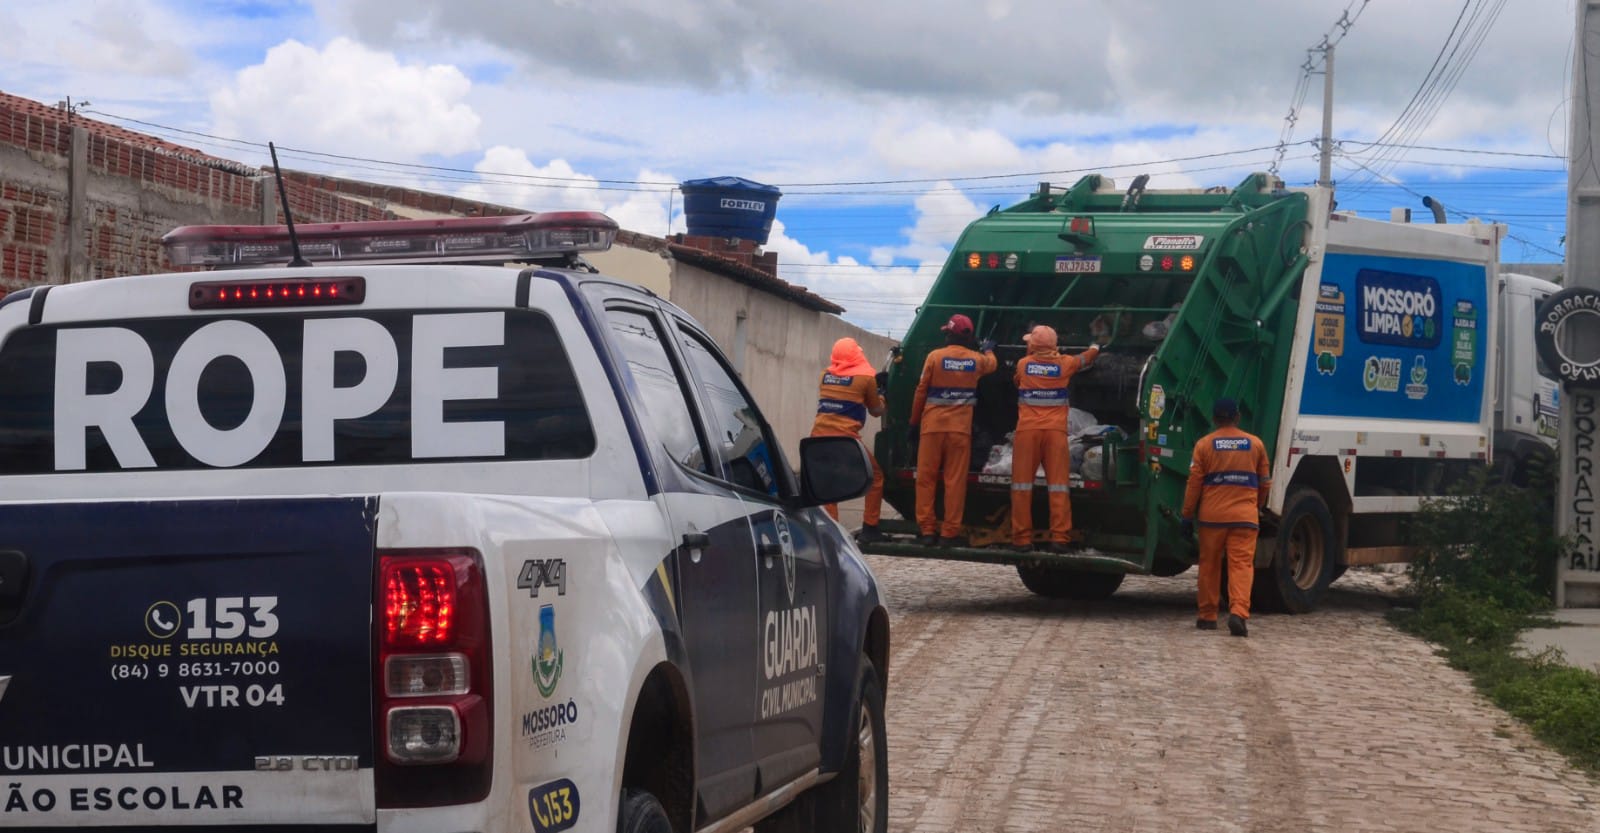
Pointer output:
x,y
730,206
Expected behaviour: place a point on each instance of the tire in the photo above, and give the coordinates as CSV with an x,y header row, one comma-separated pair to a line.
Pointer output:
x,y
857,799
640,812
1060,583
1307,557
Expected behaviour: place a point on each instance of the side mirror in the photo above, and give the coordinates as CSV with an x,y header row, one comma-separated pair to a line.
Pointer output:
x,y
833,469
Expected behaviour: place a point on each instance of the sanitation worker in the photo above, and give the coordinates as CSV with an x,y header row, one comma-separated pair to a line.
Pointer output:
x,y
847,395
941,412
1229,478
1043,377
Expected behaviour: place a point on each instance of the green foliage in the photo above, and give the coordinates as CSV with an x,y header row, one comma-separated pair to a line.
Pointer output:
x,y
1493,542
1486,562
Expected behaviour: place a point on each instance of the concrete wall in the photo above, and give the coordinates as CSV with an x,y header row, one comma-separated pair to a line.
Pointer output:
x,y
646,268
780,349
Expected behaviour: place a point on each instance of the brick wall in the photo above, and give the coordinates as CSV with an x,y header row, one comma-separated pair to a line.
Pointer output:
x,y
136,189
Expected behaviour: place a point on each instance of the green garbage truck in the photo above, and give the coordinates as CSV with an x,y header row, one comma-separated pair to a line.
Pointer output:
x,y
1362,351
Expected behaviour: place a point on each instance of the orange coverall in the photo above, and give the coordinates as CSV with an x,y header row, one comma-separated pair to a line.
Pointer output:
x,y
943,408
1042,410
843,403
1229,480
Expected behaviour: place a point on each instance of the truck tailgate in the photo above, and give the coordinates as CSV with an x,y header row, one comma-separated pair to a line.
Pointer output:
x,y
186,663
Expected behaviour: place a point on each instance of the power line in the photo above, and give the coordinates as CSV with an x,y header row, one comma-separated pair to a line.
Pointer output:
x,y
1458,213
1336,33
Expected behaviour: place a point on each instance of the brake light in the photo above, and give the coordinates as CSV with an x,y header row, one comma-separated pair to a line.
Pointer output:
x,y
1081,225
419,601
433,678
456,239
283,292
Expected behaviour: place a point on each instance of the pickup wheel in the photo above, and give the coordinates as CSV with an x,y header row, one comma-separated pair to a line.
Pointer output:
x,y
857,798
1060,583
1307,557
640,812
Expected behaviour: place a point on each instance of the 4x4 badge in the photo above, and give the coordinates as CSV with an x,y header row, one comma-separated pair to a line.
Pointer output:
x,y
547,659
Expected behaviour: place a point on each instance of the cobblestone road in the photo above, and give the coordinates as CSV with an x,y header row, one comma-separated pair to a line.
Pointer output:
x,y
1008,712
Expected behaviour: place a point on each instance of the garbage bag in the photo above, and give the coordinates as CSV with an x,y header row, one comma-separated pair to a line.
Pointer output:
x,y
1094,467
999,458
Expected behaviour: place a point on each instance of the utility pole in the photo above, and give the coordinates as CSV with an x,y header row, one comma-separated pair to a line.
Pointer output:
x,y
1325,179
1577,513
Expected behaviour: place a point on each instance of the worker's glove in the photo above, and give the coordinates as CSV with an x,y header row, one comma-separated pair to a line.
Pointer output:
x,y
986,346
1186,528
883,380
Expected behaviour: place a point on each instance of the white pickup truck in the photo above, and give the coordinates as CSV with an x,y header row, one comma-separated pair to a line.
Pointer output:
x,y
403,542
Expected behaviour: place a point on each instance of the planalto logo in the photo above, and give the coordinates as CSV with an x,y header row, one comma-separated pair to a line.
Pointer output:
x,y
547,659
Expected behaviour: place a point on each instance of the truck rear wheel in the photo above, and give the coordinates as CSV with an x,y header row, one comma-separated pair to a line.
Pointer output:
x,y
1306,559
1061,583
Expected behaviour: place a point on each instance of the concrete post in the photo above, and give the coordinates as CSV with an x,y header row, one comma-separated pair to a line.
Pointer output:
x,y
1578,580
1325,169
78,266
267,192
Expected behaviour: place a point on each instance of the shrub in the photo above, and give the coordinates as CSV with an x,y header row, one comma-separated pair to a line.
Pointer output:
x,y
1491,541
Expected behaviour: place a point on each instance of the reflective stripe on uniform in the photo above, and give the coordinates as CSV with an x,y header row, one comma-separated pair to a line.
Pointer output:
x,y
1057,487
952,396
1042,396
1022,487
840,407
1233,478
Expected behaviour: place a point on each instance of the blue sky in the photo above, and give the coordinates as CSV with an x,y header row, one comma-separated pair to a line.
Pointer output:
x,y
887,127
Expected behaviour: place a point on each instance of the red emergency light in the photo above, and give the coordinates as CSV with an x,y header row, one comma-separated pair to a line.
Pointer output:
x,y
456,239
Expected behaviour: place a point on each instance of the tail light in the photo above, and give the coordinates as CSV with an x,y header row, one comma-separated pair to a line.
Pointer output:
x,y
432,682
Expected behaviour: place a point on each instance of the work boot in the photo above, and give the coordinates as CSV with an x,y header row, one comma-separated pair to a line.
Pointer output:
x,y
1023,547
1206,624
955,541
1236,625
1058,548
868,534
928,540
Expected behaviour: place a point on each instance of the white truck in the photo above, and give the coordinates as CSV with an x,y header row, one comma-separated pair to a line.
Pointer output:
x,y
440,546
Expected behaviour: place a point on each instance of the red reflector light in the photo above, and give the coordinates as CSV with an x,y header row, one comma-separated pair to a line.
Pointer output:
x,y
419,602
994,261
1166,263
279,292
1081,225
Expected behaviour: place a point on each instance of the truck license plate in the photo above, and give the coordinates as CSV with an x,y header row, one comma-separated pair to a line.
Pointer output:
x,y
1072,265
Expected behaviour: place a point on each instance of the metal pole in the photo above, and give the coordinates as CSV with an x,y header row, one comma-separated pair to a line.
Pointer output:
x,y
1578,579
1325,179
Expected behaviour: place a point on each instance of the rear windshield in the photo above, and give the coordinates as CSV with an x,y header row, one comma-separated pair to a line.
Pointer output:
x,y
278,390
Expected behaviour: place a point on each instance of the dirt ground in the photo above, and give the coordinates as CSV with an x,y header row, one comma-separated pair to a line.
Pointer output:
x,y
1008,712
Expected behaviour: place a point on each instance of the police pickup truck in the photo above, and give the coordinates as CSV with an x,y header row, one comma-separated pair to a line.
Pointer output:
x,y
419,546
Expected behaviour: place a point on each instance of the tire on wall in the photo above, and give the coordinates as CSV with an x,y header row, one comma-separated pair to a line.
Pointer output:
x,y
856,800
1307,557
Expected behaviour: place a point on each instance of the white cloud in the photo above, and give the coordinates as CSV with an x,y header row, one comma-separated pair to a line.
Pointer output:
x,y
349,99
517,181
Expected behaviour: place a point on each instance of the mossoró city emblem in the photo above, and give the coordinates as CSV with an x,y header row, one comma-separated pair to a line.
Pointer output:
x,y
548,657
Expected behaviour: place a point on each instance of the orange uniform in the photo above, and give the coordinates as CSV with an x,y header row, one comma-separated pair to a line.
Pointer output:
x,y
1043,378
1229,480
942,407
843,404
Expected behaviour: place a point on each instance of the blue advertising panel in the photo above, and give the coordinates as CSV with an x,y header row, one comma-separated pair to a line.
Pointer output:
x,y
1397,338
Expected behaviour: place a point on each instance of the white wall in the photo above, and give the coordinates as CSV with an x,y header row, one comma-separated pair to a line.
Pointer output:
x,y
785,349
